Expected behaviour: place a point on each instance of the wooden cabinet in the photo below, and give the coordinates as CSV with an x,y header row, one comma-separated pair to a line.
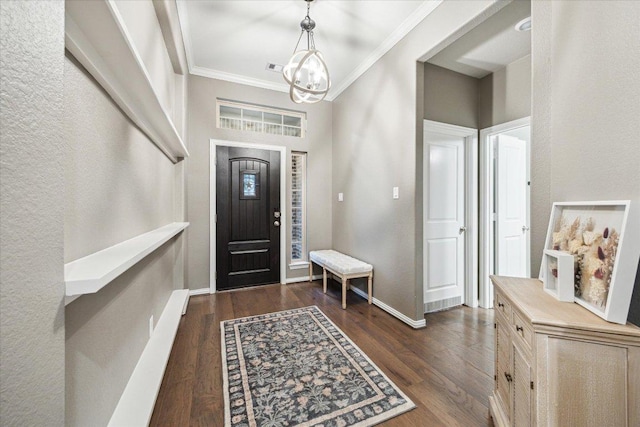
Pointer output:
x,y
557,364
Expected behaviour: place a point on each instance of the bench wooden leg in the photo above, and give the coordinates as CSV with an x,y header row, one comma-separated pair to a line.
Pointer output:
x,y
324,280
310,271
370,283
344,293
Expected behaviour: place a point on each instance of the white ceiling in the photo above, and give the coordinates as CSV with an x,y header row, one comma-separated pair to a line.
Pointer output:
x,y
491,45
235,39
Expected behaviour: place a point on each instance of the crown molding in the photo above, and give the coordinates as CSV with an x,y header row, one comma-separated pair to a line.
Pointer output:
x,y
409,24
183,20
236,78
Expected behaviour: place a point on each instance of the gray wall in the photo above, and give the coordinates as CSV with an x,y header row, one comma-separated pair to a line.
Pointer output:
x,y
500,97
505,95
586,104
450,97
31,214
118,185
202,127
376,146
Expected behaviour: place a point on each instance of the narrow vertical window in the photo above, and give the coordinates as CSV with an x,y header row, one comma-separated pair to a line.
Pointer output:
x,y
298,200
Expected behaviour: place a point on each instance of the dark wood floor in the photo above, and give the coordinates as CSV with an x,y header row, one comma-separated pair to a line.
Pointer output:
x,y
445,368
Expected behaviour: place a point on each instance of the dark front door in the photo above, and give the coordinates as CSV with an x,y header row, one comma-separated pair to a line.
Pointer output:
x,y
248,217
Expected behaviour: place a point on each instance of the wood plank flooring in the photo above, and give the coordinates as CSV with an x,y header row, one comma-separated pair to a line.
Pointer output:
x,y
445,368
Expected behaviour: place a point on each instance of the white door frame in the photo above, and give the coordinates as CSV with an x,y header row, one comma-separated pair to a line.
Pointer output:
x,y
486,201
470,297
212,204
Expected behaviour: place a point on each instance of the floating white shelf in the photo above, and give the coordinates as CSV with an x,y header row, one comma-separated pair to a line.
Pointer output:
x,y
90,274
96,36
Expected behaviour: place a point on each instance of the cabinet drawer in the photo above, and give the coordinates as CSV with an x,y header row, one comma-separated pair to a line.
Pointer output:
x,y
503,306
522,329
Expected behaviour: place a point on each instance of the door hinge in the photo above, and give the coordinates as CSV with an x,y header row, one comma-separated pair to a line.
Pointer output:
x,y
495,326
495,378
531,385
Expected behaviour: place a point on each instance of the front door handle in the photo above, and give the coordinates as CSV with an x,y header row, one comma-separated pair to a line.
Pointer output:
x,y
276,223
462,229
525,228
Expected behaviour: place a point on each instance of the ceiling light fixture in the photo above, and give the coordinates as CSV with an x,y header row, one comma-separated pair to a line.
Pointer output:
x,y
524,25
306,72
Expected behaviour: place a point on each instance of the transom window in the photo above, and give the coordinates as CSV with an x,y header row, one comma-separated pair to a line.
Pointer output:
x,y
254,118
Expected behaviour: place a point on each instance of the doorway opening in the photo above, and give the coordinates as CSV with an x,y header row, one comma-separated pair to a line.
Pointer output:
x,y
504,204
450,216
247,227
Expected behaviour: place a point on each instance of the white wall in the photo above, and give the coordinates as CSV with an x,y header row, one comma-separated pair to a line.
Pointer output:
x,y
32,326
202,127
586,104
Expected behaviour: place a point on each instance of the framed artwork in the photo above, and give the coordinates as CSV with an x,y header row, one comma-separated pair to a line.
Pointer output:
x,y
604,241
559,277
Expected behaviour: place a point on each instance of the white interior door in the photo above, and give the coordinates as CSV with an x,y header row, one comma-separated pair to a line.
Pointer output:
x,y
512,227
444,219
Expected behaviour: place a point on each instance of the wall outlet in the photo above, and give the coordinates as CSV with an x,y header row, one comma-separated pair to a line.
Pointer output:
x,y
396,192
151,326
340,197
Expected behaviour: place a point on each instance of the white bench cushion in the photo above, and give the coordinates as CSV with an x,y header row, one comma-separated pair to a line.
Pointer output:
x,y
339,262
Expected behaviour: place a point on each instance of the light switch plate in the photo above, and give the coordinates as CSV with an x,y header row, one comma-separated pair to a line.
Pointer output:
x,y
340,197
396,192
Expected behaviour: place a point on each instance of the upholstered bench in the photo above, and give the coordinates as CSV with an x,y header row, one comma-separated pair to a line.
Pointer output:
x,y
343,266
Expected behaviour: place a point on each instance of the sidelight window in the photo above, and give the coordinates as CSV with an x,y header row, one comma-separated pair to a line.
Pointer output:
x,y
298,207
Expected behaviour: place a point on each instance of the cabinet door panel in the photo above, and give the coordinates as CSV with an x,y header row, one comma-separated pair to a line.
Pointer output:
x,y
589,380
521,388
503,366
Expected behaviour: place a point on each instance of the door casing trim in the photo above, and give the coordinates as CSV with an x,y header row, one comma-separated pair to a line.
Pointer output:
x,y
213,143
470,294
486,201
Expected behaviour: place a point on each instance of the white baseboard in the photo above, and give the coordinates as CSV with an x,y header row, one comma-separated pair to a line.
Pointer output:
x,y
416,324
139,397
302,279
201,291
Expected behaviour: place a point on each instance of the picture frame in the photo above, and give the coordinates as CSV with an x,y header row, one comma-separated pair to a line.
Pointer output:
x,y
604,239
560,274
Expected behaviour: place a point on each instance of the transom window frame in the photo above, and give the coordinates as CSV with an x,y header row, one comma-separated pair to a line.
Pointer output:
x,y
252,119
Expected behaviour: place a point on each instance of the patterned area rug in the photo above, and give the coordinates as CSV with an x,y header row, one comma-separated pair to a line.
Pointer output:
x,y
296,368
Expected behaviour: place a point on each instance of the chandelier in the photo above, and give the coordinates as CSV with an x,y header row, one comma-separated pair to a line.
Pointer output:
x,y
306,73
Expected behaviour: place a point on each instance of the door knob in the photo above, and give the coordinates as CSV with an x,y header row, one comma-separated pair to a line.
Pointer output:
x,y
462,229
525,228
276,223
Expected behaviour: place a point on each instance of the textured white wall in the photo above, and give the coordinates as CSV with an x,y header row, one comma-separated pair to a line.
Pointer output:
x,y
586,104
32,326
118,185
202,96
